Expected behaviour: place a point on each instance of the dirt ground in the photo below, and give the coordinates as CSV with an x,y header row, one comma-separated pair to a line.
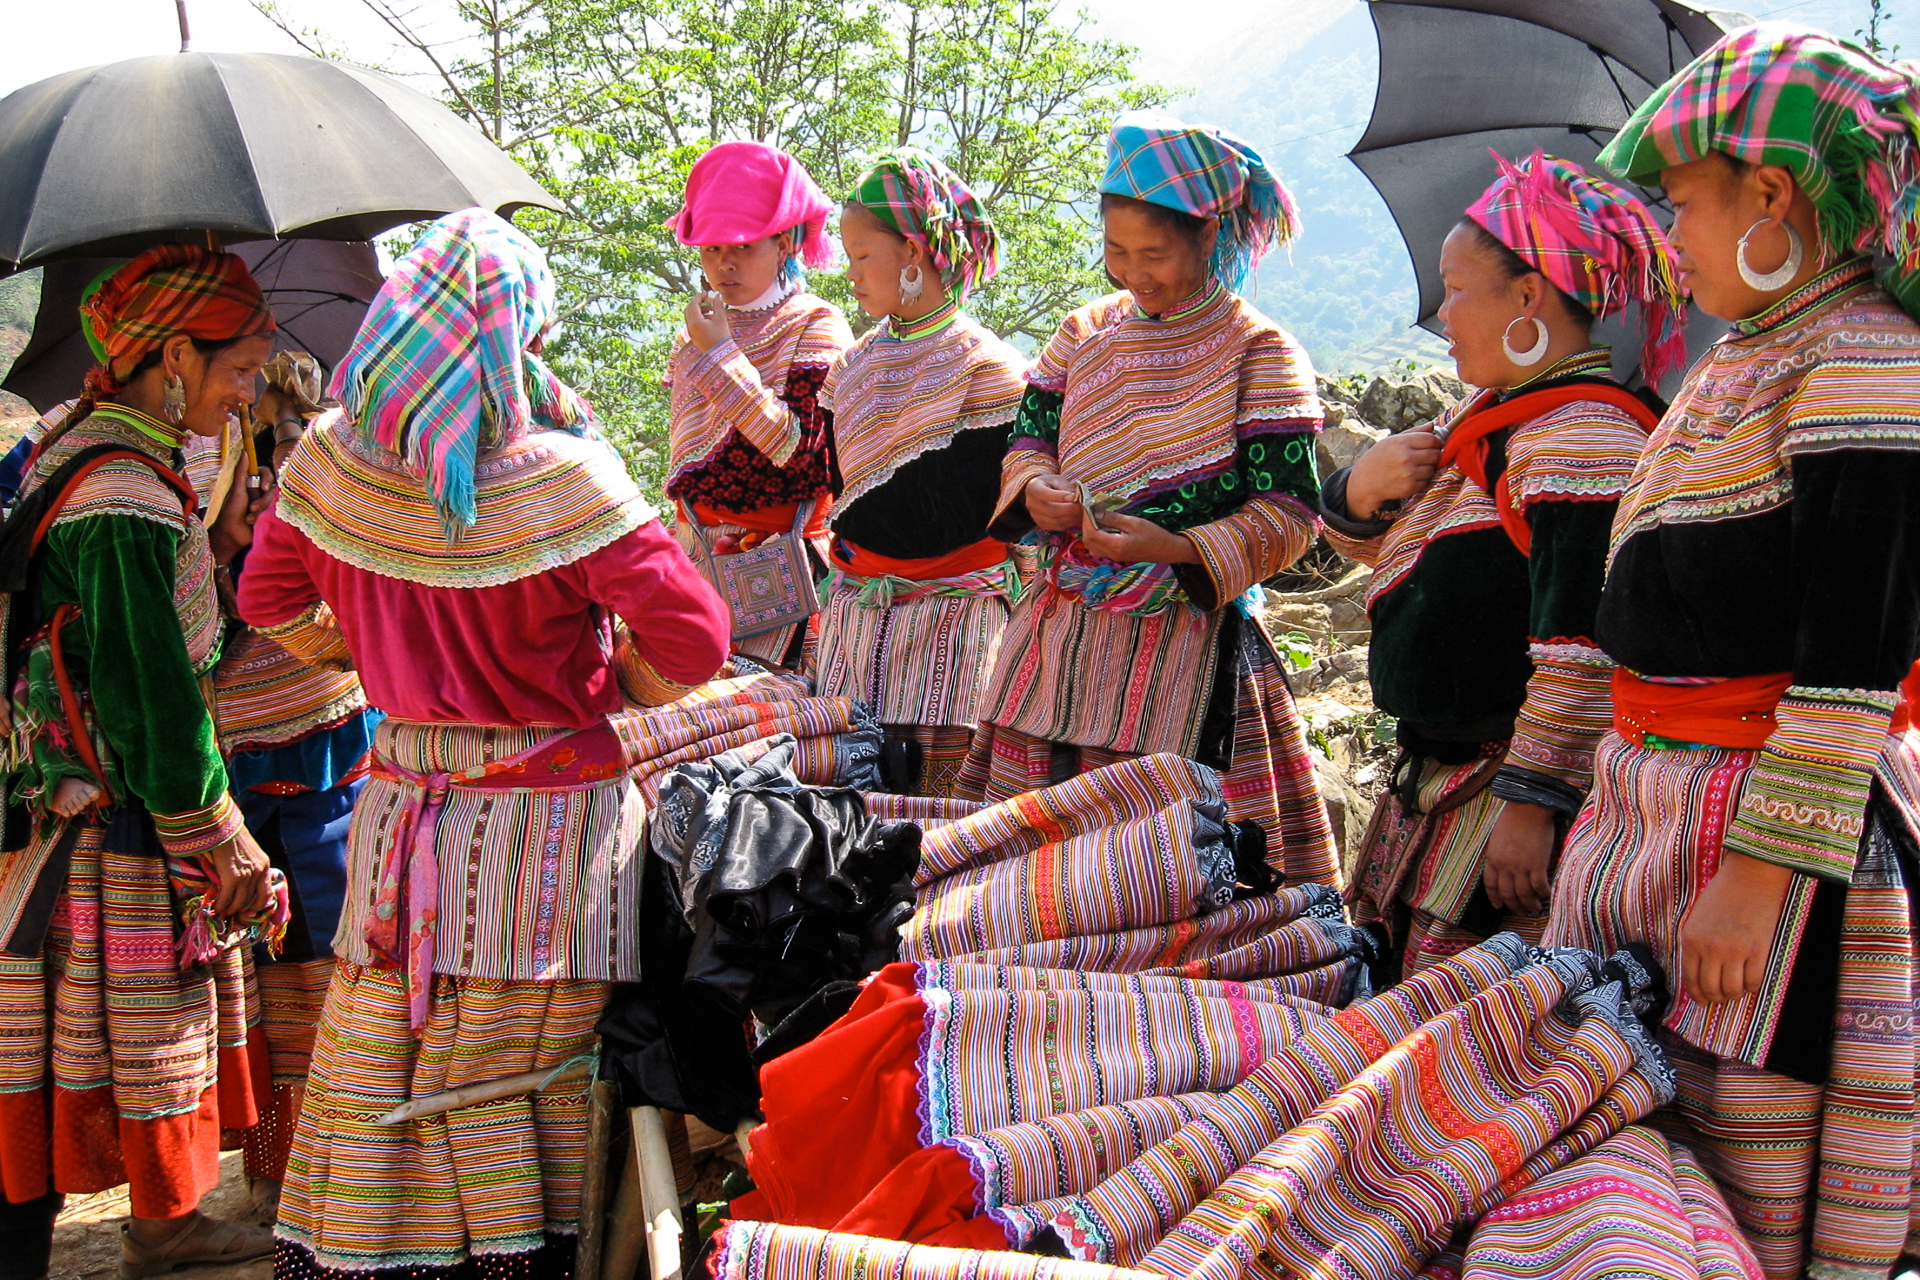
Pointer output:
x,y
86,1241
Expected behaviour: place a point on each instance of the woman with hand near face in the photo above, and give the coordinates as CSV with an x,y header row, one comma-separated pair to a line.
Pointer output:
x,y
920,406
1487,534
747,442
1186,420
120,993
1753,810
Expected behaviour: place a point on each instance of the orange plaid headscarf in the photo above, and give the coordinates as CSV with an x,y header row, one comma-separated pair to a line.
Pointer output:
x,y
175,288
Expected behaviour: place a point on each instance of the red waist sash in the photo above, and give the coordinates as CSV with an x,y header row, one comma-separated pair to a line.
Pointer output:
x,y
972,558
766,521
1729,713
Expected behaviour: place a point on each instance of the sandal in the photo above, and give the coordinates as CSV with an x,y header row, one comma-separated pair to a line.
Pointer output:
x,y
202,1239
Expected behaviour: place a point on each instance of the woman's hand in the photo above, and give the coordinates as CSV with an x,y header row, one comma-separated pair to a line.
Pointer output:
x,y
1726,938
1518,853
707,321
1053,504
242,869
1131,540
233,529
1393,470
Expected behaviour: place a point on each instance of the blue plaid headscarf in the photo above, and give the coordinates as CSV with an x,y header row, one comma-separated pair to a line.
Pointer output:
x,y
1208,173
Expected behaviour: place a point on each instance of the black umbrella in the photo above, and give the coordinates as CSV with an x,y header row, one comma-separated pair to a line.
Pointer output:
x,y
1458,77
318,289
109,160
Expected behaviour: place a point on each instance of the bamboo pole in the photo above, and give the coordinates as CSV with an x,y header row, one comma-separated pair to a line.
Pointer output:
x,y
659,1192
593,1189
469,1095
626,1223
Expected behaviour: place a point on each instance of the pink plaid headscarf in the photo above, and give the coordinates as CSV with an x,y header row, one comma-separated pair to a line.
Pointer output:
x,y
1597,242
739,192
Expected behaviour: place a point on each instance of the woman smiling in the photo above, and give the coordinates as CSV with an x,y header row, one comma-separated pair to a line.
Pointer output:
x,y
1162,465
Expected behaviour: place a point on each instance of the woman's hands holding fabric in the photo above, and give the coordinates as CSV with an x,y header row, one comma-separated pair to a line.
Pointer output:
x,y
1053,504
1131,540
1393,470
1727,937
1518,853
707,321
233,529
242,868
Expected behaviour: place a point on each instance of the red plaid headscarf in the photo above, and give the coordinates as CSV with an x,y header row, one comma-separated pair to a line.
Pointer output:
x,y
1598,244
174,288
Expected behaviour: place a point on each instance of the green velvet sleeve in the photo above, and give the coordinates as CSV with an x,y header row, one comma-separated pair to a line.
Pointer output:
x,y
127,649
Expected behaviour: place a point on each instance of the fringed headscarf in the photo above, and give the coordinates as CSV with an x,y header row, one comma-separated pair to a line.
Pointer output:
x,y
440,368
1210,174
1598,243
173,288
1842,121
739,192
923,200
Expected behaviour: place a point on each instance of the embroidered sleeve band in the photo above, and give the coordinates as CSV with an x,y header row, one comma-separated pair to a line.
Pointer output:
x,y
1805,801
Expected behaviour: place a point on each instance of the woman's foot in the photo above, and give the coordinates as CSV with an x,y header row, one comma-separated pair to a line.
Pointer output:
x,y
155,1246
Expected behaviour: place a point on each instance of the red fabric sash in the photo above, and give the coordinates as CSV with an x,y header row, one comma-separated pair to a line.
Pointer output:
x,y
1729,713
766,521
972,558
1467,442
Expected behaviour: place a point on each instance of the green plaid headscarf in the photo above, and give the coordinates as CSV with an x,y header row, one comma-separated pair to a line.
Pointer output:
x,y
1842,121
923,200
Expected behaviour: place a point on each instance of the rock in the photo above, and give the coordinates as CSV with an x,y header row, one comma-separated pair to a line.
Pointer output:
x,y
1349,809
1347,621
1336,392
1342,444
1335,414
1313,620
1398,403
1345,667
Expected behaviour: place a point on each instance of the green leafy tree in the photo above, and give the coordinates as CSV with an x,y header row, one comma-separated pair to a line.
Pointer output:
x,y
608,103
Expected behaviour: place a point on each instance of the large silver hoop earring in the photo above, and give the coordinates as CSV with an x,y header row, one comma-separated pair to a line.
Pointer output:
x,y
173,401
1534,353
1771,281
911,284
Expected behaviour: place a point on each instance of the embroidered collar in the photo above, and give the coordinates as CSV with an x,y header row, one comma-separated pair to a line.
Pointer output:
x,y
1594,362
148,430
931,323
1808,298
780,291
1193,306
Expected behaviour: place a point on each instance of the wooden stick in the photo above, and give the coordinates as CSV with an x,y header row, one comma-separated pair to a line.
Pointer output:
x,y
626,1224
470,1095
593,1188
660,1195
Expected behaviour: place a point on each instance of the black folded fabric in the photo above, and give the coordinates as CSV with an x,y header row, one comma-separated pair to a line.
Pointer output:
x,y
759,893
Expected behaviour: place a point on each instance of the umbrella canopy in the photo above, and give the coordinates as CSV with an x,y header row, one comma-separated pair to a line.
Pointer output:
x,y
1458,77
109,160
318,289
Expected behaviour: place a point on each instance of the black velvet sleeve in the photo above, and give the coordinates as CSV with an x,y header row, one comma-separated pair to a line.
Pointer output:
x,y
1567,567
1038,420
1854,578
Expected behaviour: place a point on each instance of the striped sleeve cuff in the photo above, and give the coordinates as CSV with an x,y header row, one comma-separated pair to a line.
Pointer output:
x,y
1805,802
314,637
639,682
197,831
1251,545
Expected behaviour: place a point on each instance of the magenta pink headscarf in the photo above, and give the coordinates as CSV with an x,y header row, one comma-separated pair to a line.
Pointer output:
x,y
739,192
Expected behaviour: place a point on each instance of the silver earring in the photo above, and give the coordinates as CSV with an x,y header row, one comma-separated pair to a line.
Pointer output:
x,y
911,285
1769,281
173,401
1532,354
